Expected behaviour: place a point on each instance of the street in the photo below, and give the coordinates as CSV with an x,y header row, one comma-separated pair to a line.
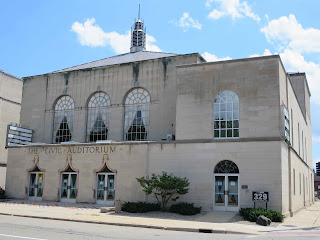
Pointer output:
x,y
40,229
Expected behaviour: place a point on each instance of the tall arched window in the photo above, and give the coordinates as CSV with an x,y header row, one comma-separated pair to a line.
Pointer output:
x,y
63,119
136,115
226,115
98,117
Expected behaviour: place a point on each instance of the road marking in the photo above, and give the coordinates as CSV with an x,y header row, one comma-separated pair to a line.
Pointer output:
x,y
13,236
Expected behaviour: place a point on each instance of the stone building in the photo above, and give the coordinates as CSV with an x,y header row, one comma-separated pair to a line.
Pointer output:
x,y
231,127
10,106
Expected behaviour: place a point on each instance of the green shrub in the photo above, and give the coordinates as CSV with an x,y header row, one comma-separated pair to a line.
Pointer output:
x,y
185,208
276,216
140,207
165,187
244,212
251,214
2,193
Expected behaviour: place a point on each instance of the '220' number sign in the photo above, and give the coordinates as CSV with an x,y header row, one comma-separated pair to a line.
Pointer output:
x,y
260,196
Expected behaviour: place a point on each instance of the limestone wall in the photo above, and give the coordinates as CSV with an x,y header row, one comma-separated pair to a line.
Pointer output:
x,y
255,81
10,99
157,76
259,165
2,176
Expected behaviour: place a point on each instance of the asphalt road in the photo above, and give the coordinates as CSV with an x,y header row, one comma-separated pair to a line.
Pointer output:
x,y
37,229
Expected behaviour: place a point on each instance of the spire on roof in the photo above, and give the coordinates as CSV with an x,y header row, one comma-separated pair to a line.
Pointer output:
x,y
138,36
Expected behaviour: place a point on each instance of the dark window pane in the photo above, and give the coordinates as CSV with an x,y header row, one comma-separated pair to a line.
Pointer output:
x,y
229,133
223,133
236,133
216,133
236,123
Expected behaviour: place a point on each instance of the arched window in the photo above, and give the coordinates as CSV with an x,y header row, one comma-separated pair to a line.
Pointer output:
x,y
63,119
136,115
226,166
226,115
98,117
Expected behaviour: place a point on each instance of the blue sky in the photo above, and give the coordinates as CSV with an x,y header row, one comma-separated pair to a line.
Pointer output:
x,y
37,37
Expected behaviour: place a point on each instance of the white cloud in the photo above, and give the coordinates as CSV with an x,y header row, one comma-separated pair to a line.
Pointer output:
x,y
92,35
186,22
150,46
208,3
294,62
213,58
215,14
233,8
288,33
89,34
265,53
293,40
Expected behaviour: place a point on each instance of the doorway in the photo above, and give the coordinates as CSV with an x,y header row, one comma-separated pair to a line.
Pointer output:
x,y
226,187
35,186
105,184
105,188
68,187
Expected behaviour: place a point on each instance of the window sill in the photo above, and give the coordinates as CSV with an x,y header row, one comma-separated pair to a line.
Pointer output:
x,y
226,138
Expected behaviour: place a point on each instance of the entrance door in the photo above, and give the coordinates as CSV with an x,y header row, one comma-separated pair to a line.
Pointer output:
x,y
226,192
105,188
35,186
68,187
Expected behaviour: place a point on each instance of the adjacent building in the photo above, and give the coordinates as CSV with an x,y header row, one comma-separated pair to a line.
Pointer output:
x,y
231,127
10,106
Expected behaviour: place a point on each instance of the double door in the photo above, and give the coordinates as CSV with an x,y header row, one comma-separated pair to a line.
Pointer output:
x,y
105,188
68,187
226,192
35,186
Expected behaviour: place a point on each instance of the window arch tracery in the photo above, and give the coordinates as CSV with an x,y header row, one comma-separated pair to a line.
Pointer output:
x,y
226,115
136,115
98,117
63,119
226,166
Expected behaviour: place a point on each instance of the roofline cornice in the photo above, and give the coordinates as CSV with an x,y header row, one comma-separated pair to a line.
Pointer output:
x,y
9,75
105,66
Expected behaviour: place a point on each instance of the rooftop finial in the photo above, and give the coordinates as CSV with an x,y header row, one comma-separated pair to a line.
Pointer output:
x,y
138,36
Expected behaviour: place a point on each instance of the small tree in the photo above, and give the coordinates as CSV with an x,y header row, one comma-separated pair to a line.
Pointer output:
x,y
164,187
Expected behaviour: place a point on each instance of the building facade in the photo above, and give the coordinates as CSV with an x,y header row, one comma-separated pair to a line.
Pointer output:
x,y
10,106
232,128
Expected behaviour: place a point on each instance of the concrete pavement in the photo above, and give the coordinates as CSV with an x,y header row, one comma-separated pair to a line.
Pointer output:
x,y
217,222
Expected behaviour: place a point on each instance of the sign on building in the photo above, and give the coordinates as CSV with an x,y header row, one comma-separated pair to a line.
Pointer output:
x,y
286,124
260,197
18,135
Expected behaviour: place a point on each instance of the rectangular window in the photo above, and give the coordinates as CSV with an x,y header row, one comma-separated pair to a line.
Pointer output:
x,y
294,181
300,182
286,130
291,128
302,146
299,136
305,149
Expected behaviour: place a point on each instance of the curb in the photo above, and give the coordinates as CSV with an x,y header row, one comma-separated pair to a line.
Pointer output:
x,y
182,229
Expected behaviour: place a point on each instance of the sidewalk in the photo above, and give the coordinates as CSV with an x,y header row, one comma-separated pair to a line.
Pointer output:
x,y
306,221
